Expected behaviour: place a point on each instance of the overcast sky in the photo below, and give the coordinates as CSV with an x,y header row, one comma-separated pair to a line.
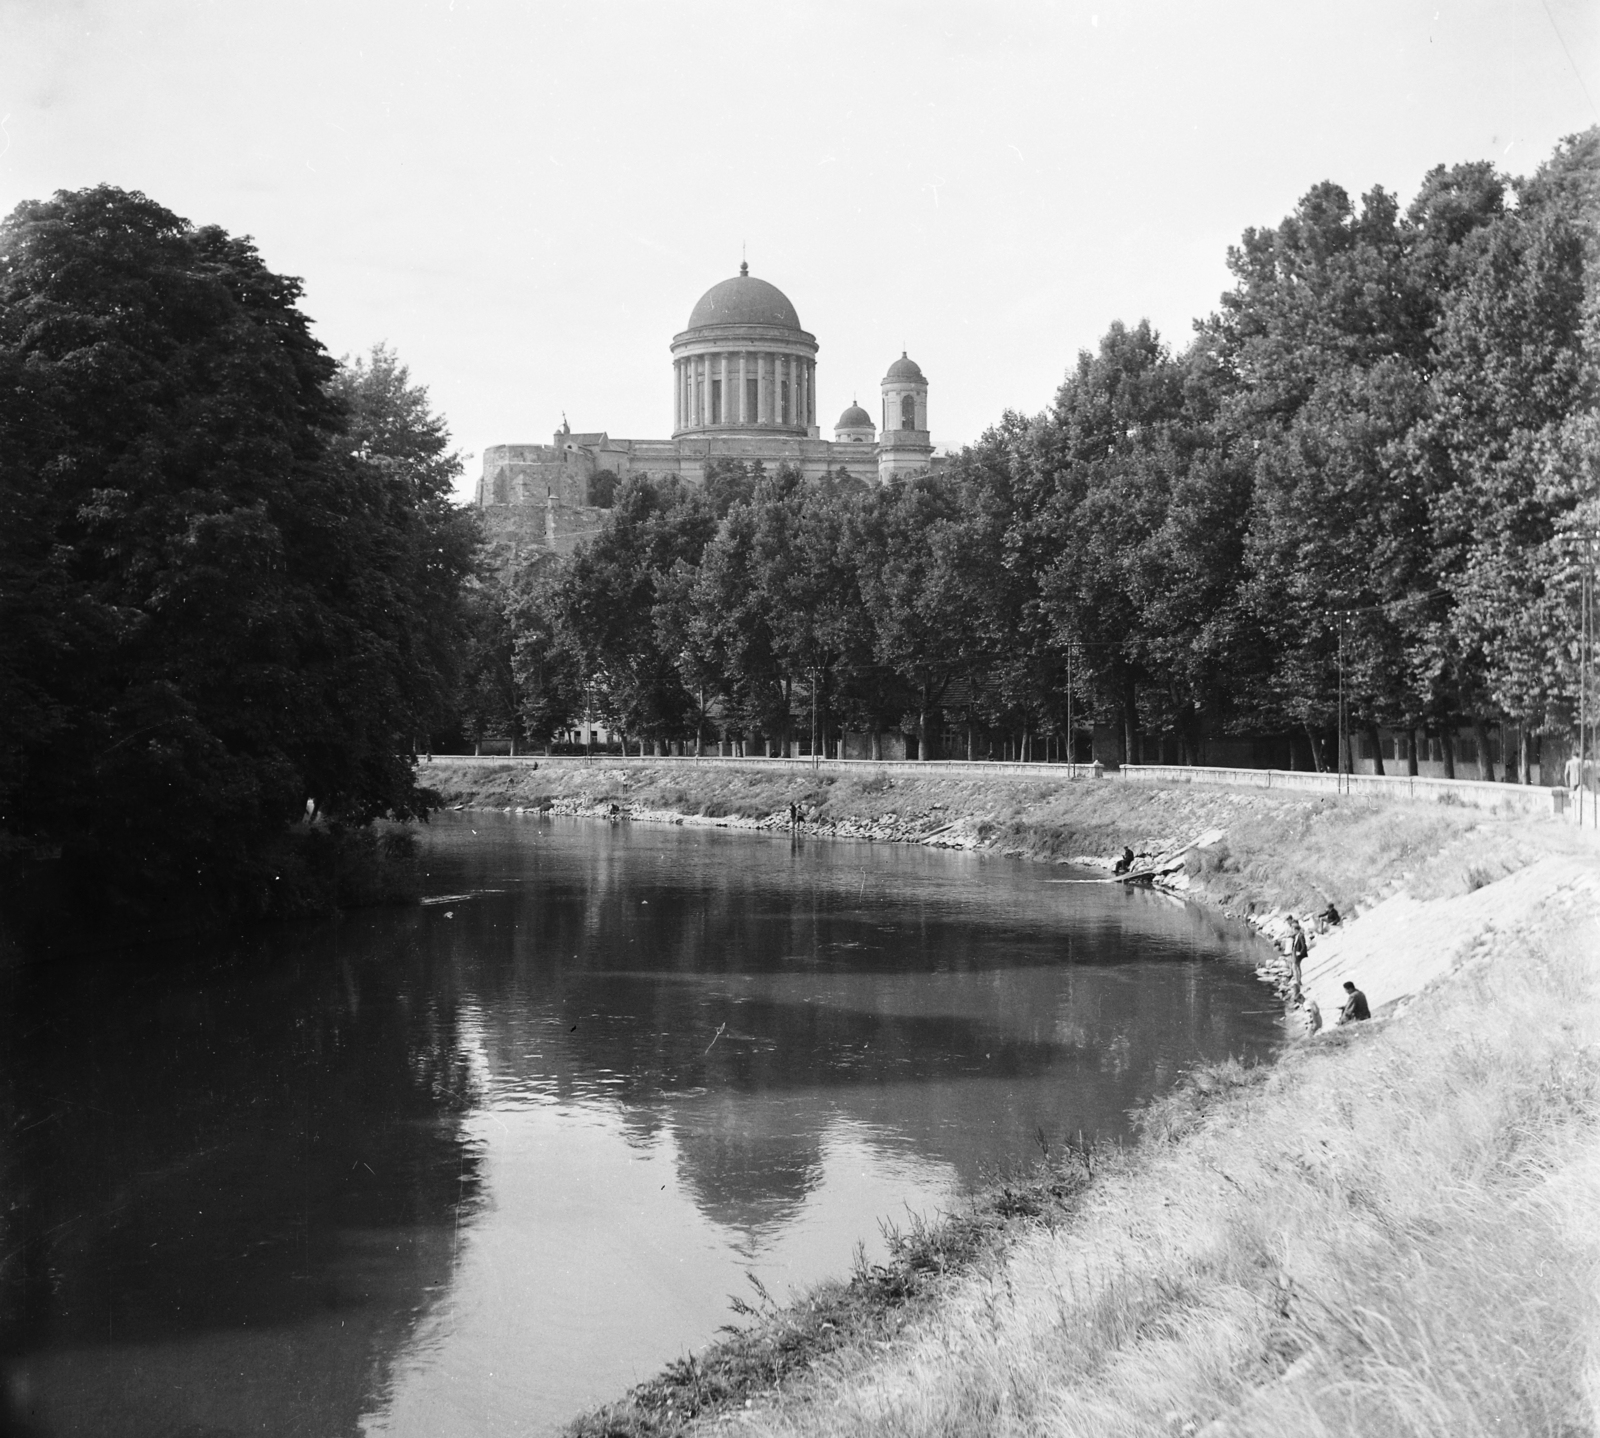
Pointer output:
x,y
526,200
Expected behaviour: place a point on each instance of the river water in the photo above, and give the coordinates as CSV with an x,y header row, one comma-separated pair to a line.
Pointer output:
x,y
467,1168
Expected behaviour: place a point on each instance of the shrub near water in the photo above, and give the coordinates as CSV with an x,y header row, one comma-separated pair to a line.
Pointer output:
x,y
323,868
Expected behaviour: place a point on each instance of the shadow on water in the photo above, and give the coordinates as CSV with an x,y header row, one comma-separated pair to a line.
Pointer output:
x,y
468,1167
219,1164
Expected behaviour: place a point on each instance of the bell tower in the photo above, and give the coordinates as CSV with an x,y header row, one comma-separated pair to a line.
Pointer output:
x,y
903,443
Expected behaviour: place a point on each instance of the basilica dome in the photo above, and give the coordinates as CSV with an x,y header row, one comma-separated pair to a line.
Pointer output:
x,y
901,369
744,300
854,418
744,365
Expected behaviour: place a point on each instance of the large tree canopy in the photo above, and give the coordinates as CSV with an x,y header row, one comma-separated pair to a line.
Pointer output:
x,y
227,575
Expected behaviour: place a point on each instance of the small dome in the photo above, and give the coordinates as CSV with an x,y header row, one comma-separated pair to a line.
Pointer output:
x,y
854,418
744,300
903,368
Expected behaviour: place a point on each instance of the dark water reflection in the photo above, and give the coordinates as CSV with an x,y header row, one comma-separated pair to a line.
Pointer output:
x,y
467,1168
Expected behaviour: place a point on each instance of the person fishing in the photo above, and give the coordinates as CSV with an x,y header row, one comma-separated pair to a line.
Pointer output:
x,y
1125,862
1355,1005
1298,950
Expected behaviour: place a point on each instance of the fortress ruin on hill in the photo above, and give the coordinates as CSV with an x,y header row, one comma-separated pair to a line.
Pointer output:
x,y
743,388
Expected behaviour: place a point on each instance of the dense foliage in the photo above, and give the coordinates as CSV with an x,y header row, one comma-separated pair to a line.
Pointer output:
x,y
230,572
1379,448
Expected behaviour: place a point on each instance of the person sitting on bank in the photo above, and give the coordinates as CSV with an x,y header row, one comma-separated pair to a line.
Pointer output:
x,y
1125,862
1328,918
1355,1004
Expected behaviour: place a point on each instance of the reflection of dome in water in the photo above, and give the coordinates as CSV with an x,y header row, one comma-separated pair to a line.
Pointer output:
x,y
743,1176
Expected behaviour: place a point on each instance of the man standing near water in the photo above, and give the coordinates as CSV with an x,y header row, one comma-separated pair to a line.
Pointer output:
x,y
1298,949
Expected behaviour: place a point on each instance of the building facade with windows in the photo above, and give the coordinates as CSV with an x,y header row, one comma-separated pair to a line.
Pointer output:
x,y
743,388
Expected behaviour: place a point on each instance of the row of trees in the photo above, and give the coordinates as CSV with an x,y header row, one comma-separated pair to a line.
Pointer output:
x,y
1381,450
231,569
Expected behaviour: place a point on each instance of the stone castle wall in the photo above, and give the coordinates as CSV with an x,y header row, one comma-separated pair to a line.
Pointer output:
x,y
536,496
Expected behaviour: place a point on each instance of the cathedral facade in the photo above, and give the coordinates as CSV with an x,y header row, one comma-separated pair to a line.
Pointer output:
x,y
743,388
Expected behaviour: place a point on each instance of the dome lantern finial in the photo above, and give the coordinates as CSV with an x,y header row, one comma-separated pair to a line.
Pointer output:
x,y
744,268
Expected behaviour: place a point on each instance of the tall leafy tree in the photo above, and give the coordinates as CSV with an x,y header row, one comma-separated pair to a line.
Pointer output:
x,y
1100,499
606,605
391,426
1514,367
924,594
544,687
212,608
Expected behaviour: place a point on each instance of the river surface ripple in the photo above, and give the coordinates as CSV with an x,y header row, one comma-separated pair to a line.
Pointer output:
x,y
467,1168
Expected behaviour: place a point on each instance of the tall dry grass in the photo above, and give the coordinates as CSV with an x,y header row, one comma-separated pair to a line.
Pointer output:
x,y
1392,1231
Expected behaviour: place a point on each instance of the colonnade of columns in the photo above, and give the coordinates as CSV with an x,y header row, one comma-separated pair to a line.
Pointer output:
x,y
744,387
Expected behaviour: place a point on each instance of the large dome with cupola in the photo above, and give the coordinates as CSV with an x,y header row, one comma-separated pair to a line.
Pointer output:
x,y
744,300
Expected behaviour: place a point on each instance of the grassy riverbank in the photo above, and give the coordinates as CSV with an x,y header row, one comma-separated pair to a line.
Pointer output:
x,y
1389,1230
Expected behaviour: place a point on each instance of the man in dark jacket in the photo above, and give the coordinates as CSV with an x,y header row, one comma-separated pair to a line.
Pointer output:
x,y
1355,1004
1298,949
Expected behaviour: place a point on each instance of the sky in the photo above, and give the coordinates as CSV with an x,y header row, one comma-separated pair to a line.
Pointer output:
x,y
525,200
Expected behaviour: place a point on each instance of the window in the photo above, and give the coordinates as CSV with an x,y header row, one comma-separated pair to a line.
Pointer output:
x,y
783,401
716,401
752,399
908,411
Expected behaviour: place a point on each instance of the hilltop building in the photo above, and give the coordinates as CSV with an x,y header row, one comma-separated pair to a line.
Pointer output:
x,y
743,388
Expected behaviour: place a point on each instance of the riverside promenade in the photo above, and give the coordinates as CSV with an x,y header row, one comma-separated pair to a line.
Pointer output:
x,y
1474,793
